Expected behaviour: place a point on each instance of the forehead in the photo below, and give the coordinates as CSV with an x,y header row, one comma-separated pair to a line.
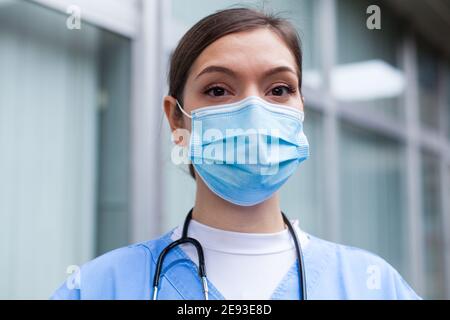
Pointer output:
x,y
249,51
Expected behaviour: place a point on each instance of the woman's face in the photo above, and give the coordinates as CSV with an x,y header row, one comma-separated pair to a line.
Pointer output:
x,y
253,63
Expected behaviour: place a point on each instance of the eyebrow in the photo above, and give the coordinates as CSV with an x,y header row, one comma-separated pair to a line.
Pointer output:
x,y
212,69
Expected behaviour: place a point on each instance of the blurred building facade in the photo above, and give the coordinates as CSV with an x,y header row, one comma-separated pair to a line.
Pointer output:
x,y
85,162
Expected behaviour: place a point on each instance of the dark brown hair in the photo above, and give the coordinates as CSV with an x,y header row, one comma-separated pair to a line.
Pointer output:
x,y
216,26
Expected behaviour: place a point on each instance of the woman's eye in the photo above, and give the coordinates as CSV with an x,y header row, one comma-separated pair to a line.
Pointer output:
x,y
281,90
216,92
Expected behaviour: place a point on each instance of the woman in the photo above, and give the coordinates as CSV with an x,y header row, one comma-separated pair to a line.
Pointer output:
x,y
235,104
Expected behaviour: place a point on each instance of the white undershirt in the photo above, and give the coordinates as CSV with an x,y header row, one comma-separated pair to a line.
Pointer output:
x,y
243,265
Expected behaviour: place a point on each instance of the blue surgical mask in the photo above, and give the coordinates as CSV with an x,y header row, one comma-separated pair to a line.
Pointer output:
x,y
245,151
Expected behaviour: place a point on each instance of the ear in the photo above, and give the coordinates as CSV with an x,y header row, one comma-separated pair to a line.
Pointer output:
x,y
173,117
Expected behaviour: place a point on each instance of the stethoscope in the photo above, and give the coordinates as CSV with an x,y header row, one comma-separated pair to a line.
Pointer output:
x,y
201,259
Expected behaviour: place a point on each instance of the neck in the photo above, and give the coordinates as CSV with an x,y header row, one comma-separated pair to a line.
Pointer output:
x,y
215,212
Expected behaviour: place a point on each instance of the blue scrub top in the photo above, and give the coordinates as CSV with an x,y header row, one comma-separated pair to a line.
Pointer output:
x,y
332,272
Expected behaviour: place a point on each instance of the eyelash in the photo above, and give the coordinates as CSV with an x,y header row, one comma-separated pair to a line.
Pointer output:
x,y
211,87
291,90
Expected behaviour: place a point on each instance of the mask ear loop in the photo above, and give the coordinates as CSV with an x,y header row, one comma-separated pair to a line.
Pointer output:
x,y
303,112
184,112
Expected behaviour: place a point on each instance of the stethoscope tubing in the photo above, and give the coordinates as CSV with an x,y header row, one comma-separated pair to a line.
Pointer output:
x,y
201,258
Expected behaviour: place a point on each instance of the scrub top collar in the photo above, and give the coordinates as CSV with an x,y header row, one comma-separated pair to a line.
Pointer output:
x,y
188,284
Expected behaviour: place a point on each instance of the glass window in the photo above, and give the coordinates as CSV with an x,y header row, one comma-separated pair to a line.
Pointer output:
x,y
372,194
433,228
302,196
113,189
54,142
427,68
303,13
448,101
368,75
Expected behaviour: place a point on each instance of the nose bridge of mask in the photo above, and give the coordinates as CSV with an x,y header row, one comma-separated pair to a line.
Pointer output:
x,y
256,115
251,100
